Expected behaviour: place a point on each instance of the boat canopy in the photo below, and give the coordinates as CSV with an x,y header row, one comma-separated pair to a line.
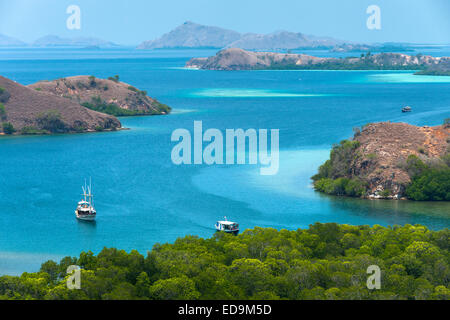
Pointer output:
x,y
227,223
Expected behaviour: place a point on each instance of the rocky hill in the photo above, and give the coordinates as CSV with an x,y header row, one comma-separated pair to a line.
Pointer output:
x,y
238,59
193,35
25,110
105,95
282,40
380,160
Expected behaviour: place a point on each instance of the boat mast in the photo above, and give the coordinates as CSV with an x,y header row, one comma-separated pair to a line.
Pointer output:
x,y
84,191
91,197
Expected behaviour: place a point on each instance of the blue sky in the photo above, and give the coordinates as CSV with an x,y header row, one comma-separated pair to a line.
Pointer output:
x,y
130,22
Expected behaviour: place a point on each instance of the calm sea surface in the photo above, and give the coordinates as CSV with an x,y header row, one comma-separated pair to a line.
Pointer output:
x,y
142,198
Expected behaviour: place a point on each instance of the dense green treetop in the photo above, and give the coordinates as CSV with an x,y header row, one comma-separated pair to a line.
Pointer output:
x,y
326,261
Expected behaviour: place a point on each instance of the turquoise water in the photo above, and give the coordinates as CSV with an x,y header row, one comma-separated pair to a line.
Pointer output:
x,y
142,198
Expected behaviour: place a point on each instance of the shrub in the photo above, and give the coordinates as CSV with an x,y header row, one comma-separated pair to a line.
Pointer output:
x,y
162,107
2,112
92,82
429,182
433,184
97,104
8,128
30,130
4,95
385,193
51,121
115,78
341,157
414,166
341,186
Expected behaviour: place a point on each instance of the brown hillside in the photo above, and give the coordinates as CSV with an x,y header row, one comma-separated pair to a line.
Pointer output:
x,y
83,89
26,107
384,148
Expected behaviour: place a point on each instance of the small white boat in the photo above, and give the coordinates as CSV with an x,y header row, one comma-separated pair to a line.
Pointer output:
x,y
227,226
85,209
406,109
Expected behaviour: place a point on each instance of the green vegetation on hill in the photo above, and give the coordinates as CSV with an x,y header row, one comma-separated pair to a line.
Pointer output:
x,y
430,181
51,121
115,78
333,176
2,112
340,64
326,261
4,95
97,104
8,128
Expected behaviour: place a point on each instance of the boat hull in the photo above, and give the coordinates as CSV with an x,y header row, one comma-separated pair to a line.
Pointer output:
x,y
235,231
85,217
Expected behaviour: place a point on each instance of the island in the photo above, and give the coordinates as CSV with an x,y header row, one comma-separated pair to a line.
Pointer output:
x,y
239,59
390,161
110,96
24,110
73,104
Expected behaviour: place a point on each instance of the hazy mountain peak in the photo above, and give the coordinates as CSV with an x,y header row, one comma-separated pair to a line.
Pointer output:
x,y
191,35
57,41
6,41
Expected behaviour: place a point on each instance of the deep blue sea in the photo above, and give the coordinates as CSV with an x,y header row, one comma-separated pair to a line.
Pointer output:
x,y
142,198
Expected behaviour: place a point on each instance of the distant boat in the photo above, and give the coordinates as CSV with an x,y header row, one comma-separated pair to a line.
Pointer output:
x,y
227,226
406,109
85,209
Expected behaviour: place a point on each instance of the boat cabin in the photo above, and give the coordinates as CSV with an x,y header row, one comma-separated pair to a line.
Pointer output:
x,y
227,226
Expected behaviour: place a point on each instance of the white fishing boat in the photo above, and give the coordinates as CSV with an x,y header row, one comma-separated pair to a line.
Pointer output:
x,y
85,209
406,109
227,226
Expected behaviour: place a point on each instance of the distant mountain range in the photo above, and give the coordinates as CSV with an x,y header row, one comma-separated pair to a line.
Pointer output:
x,y
193,35
6,41
56,41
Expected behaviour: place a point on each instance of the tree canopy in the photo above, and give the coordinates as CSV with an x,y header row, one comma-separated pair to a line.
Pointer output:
x,y
326,261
